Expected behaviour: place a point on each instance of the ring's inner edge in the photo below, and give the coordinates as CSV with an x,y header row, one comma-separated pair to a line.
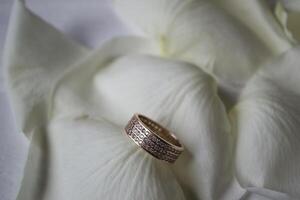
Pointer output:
x,y
159,130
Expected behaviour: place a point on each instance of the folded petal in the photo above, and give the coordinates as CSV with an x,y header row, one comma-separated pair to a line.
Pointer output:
x,y
254,193
267,122
288,13
282,17
74,94
94,159
179,95
198,32
35,56
258,16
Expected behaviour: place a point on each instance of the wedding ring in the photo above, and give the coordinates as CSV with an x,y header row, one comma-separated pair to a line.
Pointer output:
x,y
153,138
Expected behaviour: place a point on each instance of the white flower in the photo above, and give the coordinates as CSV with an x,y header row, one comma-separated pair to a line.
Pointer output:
x,y
200,32
197,67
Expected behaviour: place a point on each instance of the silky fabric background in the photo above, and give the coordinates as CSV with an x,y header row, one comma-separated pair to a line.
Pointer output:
x,y
88,22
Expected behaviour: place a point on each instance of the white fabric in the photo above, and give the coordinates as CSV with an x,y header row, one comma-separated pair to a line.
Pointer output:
x,y
71,102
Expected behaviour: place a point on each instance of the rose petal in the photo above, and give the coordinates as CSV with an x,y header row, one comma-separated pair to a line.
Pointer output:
x,y
198,32
258,16
76,88
267,126
35,56
288,13
176,94
93,159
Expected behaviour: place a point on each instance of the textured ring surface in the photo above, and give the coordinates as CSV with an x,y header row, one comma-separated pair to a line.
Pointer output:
x,y
153,138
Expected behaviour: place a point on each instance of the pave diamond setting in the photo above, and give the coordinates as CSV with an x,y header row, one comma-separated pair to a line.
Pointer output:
x,y
153,138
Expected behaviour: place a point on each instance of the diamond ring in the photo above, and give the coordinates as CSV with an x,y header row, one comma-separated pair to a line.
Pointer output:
x,y
153,138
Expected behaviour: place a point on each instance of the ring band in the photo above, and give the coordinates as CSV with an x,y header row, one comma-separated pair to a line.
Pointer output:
x,y
153,138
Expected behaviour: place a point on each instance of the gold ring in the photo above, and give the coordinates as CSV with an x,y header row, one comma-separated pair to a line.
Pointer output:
x,y
153,138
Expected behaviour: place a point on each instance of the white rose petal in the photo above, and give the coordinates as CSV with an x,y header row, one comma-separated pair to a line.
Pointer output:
x,y
93,159
258,16
198,32
267,126
176,94
288,13
34,64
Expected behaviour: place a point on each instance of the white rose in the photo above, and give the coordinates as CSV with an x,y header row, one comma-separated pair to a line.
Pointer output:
x,y
225,81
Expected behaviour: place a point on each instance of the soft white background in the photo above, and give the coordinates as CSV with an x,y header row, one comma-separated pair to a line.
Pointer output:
x,y
89,22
